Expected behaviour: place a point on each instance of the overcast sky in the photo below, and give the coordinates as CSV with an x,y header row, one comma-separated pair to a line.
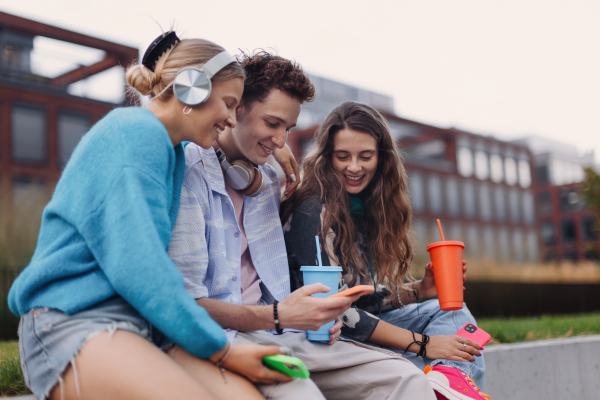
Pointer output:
x,y
508,68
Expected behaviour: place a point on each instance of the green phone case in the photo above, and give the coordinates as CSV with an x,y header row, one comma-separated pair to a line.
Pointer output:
x,y
291,366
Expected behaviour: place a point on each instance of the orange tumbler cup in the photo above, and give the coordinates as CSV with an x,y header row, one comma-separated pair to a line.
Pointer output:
x,y
446,259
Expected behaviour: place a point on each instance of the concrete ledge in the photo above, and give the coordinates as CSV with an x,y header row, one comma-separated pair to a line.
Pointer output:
x,y
555,369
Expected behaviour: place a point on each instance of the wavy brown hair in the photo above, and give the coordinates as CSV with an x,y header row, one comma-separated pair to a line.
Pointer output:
x,y
387,210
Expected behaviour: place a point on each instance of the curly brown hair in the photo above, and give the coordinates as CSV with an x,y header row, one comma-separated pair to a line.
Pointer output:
x,y
388,207
266,71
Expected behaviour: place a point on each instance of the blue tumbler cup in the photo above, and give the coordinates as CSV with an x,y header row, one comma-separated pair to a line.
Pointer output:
x,y
329,276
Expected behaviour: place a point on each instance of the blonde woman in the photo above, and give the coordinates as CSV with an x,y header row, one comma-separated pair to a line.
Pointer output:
x,y
104,313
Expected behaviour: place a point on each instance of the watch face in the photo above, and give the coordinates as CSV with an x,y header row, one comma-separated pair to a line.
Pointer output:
x,y
191,86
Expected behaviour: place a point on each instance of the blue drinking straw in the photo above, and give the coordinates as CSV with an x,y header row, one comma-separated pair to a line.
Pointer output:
x,y
318,250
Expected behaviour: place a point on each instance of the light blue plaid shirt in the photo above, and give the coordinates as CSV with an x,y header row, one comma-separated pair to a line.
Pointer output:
x,y
206,240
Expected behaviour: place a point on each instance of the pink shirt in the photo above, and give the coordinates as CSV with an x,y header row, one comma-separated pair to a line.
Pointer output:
x,y
250,281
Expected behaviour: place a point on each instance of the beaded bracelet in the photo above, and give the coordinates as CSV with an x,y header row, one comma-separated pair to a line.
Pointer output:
x,y
400,305
277,327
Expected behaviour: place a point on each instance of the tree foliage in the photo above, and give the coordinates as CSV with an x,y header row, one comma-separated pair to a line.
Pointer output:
x,y
590,192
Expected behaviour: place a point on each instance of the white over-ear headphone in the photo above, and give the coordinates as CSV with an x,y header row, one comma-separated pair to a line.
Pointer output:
x,y
192,86
241,175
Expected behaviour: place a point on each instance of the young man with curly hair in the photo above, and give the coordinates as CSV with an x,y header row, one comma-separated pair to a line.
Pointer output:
x,y
230,250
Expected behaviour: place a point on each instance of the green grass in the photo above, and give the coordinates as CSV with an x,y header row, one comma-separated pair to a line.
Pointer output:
x,y
511,330
503,330
11,376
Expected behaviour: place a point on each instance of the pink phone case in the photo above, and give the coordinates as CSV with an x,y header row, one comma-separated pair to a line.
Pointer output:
x,y
476,334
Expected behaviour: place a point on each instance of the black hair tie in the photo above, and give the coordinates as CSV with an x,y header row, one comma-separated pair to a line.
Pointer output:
x,y
424,340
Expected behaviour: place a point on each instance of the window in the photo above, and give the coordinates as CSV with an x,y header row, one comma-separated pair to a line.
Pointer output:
x,y
557,175
588,228
415,182
542,174
481,165
489,243
485,206
472,246
421,232
496,168
513,206
432,149
510,171
504,249
532,247
500,203
465,161
71,128
567,227
528,208
569,200
518,245
524,174
455,232
547,233
452,196
468,194
28,135
434,194
544,203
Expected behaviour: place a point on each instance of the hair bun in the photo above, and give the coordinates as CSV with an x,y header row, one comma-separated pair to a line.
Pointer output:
x,y
141,79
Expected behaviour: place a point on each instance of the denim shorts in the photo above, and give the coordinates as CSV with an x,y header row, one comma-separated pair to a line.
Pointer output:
x,y
49,339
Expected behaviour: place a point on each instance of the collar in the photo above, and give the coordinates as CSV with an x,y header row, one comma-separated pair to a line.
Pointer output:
x,y
214,173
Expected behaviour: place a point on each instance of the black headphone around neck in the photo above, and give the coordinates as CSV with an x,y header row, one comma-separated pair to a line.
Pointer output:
x,y
241,175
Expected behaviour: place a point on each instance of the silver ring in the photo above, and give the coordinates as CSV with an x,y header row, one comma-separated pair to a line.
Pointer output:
x,y
464,346
462,339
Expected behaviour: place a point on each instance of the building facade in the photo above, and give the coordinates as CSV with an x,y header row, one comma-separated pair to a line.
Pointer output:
x,y
480,187
40,122
566,227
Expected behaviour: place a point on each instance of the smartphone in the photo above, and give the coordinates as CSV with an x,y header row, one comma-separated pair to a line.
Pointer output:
x,y
360,289
289,365
476,334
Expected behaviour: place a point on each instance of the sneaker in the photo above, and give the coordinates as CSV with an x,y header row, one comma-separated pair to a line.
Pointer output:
x,y
453,384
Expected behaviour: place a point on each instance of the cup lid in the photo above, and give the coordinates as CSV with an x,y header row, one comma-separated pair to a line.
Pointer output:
x,y
324,268
446,243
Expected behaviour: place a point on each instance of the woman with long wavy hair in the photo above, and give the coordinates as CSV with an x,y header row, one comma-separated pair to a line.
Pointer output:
x,y
354,195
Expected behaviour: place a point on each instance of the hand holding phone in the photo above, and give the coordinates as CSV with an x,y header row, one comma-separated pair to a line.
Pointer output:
x,y
360,289
291,366
474,333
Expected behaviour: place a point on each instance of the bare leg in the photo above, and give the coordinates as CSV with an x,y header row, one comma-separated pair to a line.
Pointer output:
x,y
126,366
210,377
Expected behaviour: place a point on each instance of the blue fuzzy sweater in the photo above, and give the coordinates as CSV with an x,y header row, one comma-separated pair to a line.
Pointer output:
x,y
106,231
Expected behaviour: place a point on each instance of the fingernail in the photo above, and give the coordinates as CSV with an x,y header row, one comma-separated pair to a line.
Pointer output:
x,y
481,347
284,350
293,176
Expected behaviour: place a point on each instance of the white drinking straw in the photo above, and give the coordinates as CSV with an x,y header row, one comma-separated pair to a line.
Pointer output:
x,y
318,250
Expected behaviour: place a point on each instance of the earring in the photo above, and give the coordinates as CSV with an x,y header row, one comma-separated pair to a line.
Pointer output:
x,y
189,110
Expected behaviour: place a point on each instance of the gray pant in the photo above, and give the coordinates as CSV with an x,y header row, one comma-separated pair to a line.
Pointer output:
x,y
344,370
